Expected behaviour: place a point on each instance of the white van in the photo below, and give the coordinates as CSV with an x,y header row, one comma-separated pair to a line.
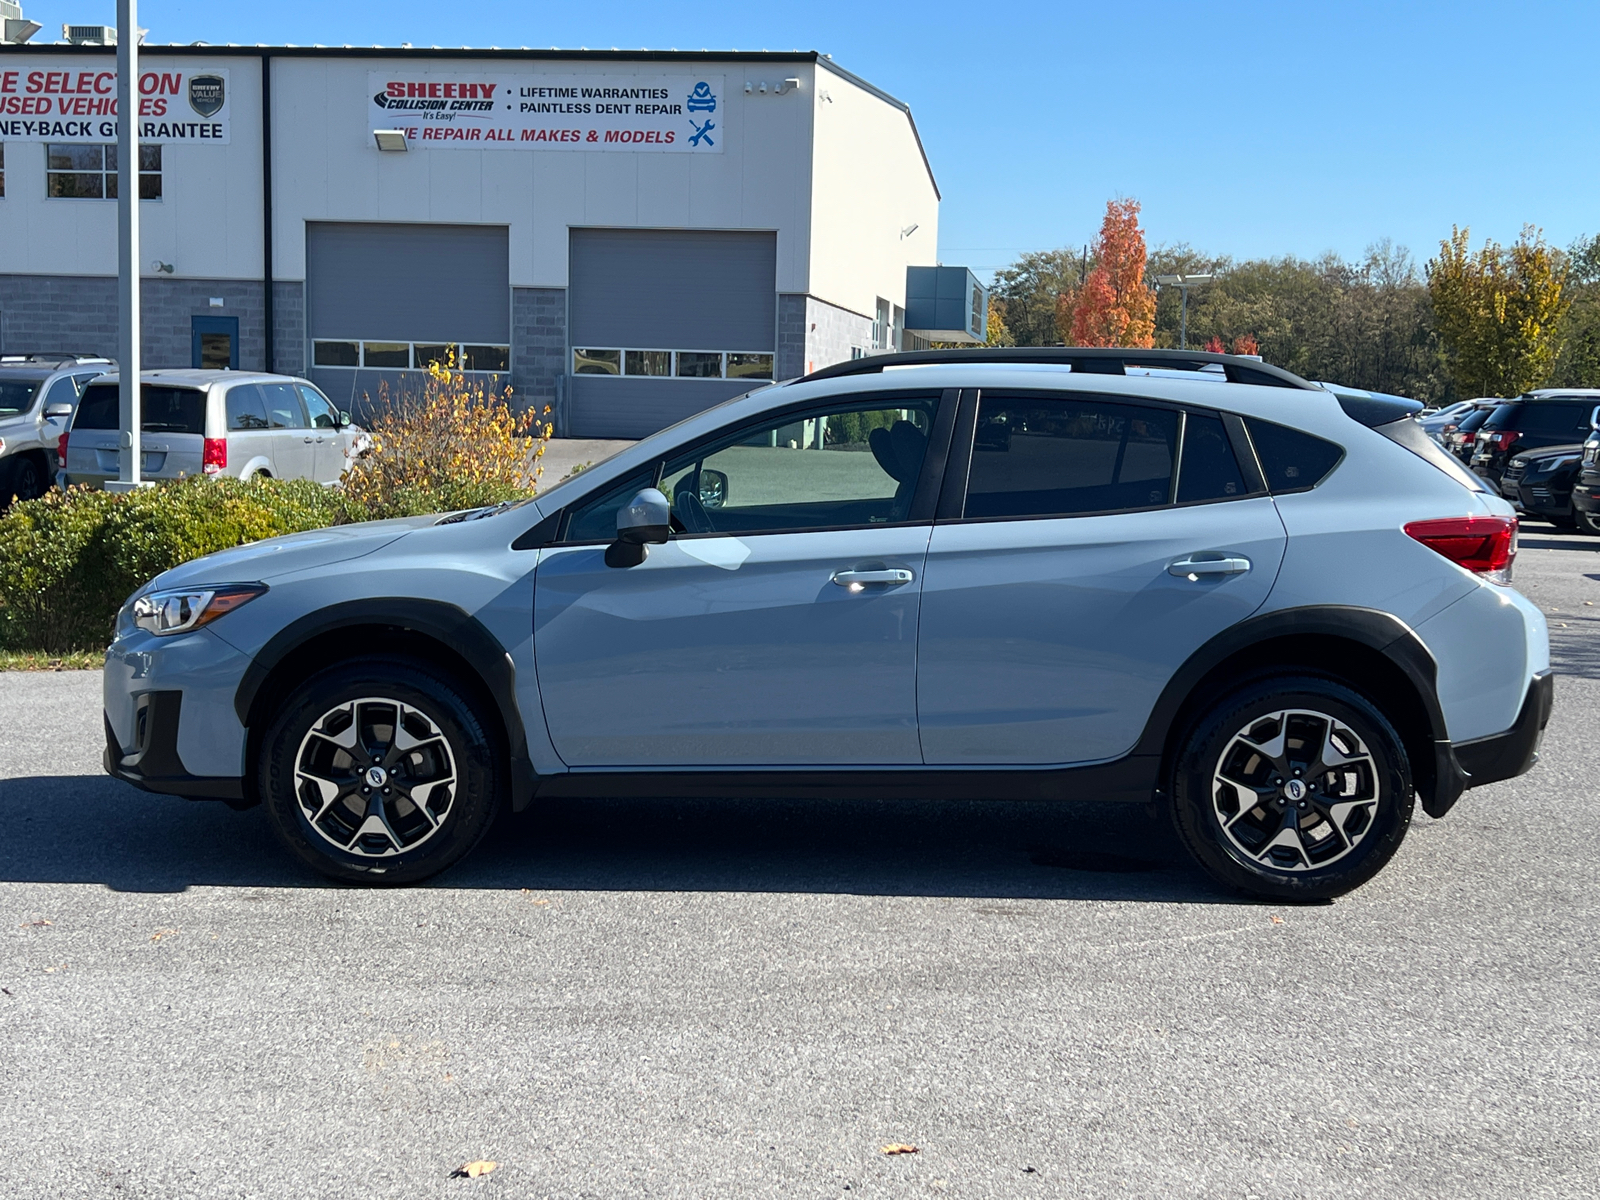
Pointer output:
x,y
234,423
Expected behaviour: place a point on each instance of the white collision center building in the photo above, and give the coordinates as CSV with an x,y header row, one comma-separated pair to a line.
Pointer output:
x,y
626,237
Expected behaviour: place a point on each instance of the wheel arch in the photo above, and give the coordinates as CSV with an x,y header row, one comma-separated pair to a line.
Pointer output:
x,y
433,631
1374,652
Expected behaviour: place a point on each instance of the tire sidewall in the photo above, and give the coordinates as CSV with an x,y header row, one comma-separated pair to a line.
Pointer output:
x,y
1208,738
472,809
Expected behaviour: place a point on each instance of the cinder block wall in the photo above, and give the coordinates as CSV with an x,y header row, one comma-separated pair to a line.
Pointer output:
x,y
538,346
831,333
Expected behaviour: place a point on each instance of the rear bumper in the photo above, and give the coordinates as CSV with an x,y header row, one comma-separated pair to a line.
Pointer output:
x,y
153,763
1512,753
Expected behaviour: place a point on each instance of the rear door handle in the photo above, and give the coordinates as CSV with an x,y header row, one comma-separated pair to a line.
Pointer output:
x,y
1193,567
856,580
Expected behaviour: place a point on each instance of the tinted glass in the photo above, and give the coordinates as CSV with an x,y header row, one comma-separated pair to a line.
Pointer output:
x,y
486,358
839,467
1474,420
1499,417
1035,458
1551,419
1293,461
336,354
283,406
16,395
1210,471
596,520
165,409
62,391
694,364
322,413
245,410
649,362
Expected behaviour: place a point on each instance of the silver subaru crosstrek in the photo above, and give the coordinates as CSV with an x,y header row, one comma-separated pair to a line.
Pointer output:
x,y
1280,613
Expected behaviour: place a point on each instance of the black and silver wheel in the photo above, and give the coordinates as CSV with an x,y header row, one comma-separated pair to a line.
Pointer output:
x,y
1293,789
1586,522
379,772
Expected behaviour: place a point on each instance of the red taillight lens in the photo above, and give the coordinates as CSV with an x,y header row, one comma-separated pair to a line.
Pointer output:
x,y
61,448
215,456
1503,439
1484,545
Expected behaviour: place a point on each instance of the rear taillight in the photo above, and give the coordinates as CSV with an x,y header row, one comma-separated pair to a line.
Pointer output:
x,y
1485,546
61,448
1502,439
215,457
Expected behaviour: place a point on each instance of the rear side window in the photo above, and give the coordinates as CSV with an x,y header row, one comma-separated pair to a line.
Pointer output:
x,y
245,409
1038,458
1553,420
1209,470
1293,461
164,409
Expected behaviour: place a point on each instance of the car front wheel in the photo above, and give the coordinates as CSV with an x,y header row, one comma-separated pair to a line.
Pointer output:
x,y
1296,788
379,772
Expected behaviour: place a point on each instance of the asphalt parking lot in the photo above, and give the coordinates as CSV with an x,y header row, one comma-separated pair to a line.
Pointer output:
x,y
740,999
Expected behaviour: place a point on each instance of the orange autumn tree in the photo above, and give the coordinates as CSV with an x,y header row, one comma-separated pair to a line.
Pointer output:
x,y
1112,307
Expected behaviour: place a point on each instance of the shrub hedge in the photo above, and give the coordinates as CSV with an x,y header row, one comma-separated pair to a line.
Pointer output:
x,y
69,559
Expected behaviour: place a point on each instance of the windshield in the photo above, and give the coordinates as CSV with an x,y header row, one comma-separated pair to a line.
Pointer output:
x,y
1474,419
16,396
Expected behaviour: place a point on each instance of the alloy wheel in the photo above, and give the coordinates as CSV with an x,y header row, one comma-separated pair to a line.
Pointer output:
x,y
375,777
1295,790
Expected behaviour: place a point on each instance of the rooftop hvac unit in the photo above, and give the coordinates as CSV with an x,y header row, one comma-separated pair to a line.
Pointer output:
x,y
89,35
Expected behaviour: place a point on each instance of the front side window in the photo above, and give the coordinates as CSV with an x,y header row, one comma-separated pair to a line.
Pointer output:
x,y
322,412
89,172
1067,457
849,465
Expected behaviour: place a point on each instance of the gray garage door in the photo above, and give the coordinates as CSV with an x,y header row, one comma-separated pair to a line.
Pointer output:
x,y
401,284
672,290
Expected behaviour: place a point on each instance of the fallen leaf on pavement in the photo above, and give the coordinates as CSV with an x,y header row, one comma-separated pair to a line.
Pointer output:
x,y
899,1148
34,924
472,1170
1277,920
161,933
7,991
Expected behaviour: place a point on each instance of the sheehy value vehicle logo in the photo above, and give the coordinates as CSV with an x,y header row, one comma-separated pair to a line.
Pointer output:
x,y
660,113
207,94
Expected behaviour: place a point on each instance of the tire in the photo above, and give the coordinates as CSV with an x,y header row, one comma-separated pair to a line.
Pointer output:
x,y
430,790
1586,522
22,478
1333,845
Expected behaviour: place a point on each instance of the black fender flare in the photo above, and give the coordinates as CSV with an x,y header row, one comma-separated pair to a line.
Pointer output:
x,y
1439,777
449,625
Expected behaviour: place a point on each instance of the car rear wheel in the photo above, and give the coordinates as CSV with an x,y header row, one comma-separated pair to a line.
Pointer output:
x,y
1294,788
1587,522
22,478
379,772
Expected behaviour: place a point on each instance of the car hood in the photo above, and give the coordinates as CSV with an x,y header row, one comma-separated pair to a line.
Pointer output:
x,y
260,562
1533,456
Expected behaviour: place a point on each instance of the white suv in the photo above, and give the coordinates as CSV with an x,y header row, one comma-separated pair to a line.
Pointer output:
x,y
38,393
233,423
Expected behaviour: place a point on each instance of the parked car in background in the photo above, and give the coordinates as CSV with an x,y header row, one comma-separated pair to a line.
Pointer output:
x,y
1461,439
197,422
1540,483
1548,417
1586,488
1281,614
38,395
1444,421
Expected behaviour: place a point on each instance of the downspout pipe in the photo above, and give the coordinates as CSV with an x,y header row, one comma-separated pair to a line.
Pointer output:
x,y
268,313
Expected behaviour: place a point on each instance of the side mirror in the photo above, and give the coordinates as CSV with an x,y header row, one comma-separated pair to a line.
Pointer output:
x,y
644,521
344,419
52,411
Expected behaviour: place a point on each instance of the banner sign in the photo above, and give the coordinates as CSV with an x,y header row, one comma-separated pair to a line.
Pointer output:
x,y
452,110
61,100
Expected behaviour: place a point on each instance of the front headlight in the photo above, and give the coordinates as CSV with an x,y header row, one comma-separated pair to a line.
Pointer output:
x,y
182,609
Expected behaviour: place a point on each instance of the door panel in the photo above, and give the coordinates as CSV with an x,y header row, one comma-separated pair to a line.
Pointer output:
x,y
1048,641
330,439
293,444
721,651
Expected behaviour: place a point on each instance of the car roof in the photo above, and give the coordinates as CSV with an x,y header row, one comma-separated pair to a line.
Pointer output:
x,y
198,377
1561,394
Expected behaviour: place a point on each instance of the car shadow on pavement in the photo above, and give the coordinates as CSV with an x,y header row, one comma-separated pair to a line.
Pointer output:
x,y
96,830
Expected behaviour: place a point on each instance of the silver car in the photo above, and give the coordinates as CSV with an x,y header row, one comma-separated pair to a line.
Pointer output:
x,y
1284,616
38,393
234,423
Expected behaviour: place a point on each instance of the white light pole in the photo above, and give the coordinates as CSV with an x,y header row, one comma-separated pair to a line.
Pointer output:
x,y
129,407
1183,283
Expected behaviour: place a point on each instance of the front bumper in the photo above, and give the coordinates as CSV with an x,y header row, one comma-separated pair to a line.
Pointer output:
x,y
153,762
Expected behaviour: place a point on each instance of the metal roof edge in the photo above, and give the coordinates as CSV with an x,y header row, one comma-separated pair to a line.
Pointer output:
x,y
462,52
851,77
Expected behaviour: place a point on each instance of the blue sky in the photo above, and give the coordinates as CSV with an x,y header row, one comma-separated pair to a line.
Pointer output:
x,y
1246,129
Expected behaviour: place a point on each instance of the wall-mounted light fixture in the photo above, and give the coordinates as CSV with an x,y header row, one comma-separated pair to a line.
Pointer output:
x,y
909,230
214,302
390,139
161,268
788,85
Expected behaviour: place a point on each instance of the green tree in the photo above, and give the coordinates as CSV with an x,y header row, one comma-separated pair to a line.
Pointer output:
x,y
1027,292
1500,312
1579,363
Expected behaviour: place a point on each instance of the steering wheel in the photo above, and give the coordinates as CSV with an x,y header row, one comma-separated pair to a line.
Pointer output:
x,y
691,512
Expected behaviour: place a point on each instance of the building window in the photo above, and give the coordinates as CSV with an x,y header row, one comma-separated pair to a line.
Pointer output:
x,y
881,324
412,356
74,172
683,364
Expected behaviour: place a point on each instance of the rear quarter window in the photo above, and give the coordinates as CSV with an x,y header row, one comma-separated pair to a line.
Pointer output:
x,y
165,409
1293,461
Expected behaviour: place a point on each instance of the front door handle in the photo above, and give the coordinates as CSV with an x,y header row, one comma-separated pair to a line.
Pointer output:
x,y
1193,567
856,580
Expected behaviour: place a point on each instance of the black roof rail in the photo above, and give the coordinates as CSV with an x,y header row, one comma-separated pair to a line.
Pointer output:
x,y
1091,360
